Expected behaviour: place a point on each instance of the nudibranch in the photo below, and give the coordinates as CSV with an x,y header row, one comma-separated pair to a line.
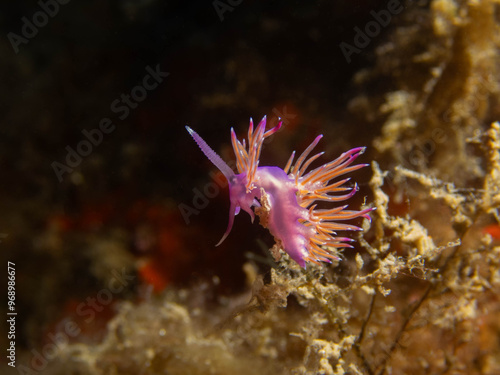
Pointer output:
x,y
286,199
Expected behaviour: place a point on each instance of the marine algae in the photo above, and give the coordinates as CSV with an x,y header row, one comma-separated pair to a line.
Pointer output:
x,y
421,293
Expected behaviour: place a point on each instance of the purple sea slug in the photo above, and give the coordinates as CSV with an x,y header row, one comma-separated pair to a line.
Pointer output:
x,y
285,199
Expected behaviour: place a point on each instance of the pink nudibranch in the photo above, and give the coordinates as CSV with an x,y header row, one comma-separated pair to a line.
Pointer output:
x,y
285,198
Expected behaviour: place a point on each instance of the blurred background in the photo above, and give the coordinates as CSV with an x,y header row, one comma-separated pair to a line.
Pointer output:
x,y
66,226
98,172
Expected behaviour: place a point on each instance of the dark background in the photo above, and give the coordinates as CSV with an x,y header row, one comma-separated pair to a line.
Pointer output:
x,y
261,58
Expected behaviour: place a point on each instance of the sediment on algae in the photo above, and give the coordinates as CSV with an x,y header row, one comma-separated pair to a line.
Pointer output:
x,y
442,74
420,293
402,304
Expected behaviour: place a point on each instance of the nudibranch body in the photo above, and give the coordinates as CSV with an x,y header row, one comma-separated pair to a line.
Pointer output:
x,y
285,198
